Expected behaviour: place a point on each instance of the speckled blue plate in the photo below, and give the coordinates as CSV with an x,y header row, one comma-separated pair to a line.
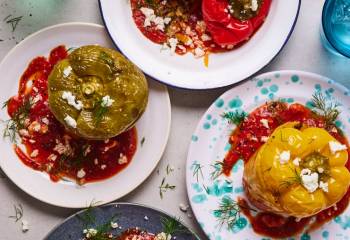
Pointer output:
x,y
210,144
127,215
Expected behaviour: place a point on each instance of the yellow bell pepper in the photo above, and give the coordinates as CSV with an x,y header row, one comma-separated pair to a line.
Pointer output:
x,y
275,177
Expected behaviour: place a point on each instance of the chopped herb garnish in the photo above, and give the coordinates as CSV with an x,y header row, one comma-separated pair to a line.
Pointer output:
x,y
171,226
197,170
236,117
87,217
296,179
99,111
329,112
13,21
142,141
218,167
169,169
164,187
18,212
16,123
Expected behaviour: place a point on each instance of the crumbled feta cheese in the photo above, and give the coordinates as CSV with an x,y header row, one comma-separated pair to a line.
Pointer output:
x,y
253,138
114,225
255,5
81,173
23,133
324,186
37,98
183,207
70,121
296,161
103,166
35,89
163,236
96,161
67,71
265,123
32,141
320,170
35,153
91,232
71,100
173,43
52,157
336,146
150,18
25,225
34,126
264,138
122,159
45,120
198,52
146,218
63,149
284,157
206,37
107,101
309,180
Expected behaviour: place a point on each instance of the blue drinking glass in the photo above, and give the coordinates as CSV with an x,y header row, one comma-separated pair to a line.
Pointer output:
x,y
336,26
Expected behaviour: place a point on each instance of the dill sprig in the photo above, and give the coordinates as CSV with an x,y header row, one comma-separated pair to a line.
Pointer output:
x,y
164,187
18,212
236,117
229,212
197,170
169,169
14,124
99,112
87,217
290,181
329,112
218,167
171,226
142,141
13,21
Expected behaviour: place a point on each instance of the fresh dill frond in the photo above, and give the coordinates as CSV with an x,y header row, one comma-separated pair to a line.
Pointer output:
x,y
228,213
142,141
218,168
87,217
14,124
18,212
169,169
171,226
290,181
99,112
236,117
197,170
13,21
164,187
329,112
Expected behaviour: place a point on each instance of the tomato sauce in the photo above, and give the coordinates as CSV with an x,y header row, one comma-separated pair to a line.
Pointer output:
x,y
48,146
136,233
246,140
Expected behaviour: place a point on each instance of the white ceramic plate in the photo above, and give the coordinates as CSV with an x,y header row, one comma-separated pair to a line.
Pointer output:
x,y
153,126
188,72
210,144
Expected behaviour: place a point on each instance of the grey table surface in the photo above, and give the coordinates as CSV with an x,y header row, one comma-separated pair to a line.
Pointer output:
x,y
304,51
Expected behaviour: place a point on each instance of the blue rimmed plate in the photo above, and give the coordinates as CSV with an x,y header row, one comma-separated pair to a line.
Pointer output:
x,y
126,215
210,144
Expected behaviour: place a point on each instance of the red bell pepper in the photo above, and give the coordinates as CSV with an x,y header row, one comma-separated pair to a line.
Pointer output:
x,y
227,30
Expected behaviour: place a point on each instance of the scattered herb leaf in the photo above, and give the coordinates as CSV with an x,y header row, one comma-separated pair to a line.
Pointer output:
x,y
218,167
99,112
142,141
236,117
171,226
164,187
169,169
18,212
329,112
13,21
296,179
197,170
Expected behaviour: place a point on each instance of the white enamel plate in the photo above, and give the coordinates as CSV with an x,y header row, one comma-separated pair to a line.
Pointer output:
x,y
210,144
188,72
64,193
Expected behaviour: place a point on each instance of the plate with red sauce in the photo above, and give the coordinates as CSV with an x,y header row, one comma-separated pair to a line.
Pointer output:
x,y
121,221
200,44
48,162
251,157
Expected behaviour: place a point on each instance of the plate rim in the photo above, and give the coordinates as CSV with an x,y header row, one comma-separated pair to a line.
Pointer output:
x,y
158,210
162,148
203,88
198,126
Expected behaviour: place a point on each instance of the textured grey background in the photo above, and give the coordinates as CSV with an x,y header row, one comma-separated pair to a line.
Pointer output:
x,y
303,52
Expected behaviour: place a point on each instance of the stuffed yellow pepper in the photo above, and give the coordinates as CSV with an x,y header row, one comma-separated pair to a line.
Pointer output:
x,y
297,172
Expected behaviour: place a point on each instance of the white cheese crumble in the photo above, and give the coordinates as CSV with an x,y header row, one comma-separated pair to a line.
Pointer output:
x,y
320,170
95,161
91,232
309,180
67,71
103,166
163,236
264,138
37,98
205,37
198,52
336,146
173,43
71,100
35,153
107,101
114,225
265,123
23,133
25,225
324,186
45,120
122,159
52,157
70,121
255,5
81,173
284,157
150,18
296,161
146,218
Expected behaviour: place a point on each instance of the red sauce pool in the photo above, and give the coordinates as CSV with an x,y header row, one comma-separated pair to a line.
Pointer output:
x,y
135,233
49,147
248,137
